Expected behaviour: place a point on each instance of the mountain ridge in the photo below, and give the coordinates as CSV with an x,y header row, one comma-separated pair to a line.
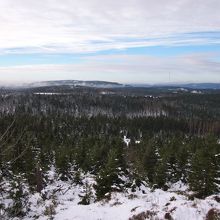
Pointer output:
x,y
109,84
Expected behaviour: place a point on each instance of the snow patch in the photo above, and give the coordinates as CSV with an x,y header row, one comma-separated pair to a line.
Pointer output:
x,y
126,141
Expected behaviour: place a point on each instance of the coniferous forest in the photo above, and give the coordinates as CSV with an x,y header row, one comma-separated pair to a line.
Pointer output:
x,y
124,138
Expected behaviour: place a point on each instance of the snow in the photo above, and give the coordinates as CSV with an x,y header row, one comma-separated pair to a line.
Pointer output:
x,y
60,202
178,187
183,89
120,207
123,206
196,92
126,141
50,93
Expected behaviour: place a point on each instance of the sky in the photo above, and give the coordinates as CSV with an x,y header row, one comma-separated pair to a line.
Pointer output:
x,y
132,41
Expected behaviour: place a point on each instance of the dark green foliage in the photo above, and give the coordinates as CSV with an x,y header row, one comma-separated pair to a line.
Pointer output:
x,y
63,163
82,131
108,179
86,195
204,174
19,197
161,174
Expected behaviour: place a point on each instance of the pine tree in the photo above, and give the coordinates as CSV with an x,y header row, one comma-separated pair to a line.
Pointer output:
x,y
203,174
62,164
150,161
19,196
161,174
86,194
108,179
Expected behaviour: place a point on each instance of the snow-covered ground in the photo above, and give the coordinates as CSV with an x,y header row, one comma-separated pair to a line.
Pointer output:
x,y
123,206
63,204
60,201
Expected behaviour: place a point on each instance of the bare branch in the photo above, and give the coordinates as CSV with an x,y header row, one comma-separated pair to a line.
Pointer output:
x,y
13,145
7,130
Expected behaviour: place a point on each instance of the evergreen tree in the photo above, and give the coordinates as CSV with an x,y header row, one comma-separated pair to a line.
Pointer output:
x,y
161,174
86,194
203,174
19,196
150,161
108,179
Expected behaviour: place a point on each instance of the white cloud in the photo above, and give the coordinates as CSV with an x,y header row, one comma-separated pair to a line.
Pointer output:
x,y
55,26
123,68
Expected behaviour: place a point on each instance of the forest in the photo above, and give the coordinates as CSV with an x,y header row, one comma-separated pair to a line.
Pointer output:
x,y
123,137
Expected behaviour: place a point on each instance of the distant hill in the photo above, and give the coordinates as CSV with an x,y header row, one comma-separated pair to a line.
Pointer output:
x,y
106,84
95,84
202,85
188,85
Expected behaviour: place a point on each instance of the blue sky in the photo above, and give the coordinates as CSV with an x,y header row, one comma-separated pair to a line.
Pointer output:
x,y
72,58
139,41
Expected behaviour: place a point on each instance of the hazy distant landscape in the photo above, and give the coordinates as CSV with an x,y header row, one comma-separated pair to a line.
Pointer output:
x,y
109,110
88,150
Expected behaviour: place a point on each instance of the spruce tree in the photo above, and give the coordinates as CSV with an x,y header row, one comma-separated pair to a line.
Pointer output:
x,y
86,194
203,174
161,174
108,179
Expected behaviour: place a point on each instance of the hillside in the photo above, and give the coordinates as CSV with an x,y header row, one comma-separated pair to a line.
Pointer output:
x,y
109,153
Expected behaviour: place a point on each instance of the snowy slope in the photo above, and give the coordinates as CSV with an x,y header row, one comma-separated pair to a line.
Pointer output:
x,y
121,207
62,200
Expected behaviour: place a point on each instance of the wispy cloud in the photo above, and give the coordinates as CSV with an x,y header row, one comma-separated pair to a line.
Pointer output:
x,y
54,39
124,68
45,26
